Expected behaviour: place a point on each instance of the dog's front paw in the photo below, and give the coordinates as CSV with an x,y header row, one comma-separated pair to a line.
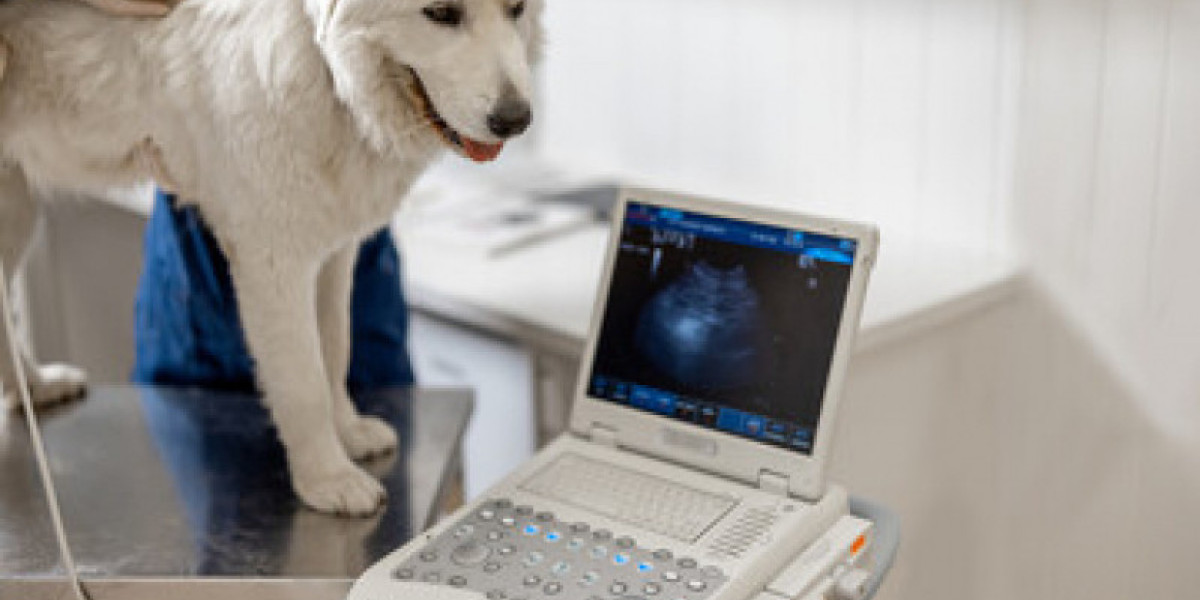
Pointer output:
x,y
365,437
346,490
57,383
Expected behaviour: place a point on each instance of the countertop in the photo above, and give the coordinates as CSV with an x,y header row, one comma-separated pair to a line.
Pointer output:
x,y
163,486
543,294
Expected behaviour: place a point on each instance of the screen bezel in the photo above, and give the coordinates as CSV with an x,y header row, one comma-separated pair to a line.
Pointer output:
x,y
710,449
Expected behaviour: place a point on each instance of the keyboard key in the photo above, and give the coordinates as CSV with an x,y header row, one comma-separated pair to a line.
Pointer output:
x,y
403,573
457,581
651,589
696,585
687,563
625,542
531,580
663,554
552,588
469,554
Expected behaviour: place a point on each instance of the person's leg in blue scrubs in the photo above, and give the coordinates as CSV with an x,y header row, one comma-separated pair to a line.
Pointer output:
x,y
187,327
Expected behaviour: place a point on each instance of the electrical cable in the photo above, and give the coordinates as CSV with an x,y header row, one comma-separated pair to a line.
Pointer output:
x,y
35,436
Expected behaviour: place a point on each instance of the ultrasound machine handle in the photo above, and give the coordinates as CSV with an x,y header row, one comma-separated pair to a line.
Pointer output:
x,y
886,541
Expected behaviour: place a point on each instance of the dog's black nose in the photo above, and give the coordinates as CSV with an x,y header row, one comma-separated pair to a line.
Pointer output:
x,y
511,118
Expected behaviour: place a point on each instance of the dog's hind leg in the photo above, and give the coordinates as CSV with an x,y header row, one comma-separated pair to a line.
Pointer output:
x,y
276,291
363,436
19,211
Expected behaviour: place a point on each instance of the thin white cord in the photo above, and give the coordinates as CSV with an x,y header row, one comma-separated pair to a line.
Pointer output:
x,y
35,435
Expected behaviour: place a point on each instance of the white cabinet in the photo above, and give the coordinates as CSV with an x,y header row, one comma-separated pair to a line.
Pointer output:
x,y
502,432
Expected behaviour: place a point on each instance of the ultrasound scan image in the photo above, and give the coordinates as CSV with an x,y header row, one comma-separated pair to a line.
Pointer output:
x,y
719,323
701,328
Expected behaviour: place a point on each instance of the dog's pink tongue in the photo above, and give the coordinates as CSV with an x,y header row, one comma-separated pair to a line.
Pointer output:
x,y
481,152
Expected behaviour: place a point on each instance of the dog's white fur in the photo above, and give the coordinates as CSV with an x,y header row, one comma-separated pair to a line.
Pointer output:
x,y
289,123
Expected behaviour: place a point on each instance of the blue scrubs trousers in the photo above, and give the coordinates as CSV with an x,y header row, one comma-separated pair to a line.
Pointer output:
x,y
187,327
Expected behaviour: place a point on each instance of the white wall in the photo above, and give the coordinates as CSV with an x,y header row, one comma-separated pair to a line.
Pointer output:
x,y
1020,465
897,111
1107,199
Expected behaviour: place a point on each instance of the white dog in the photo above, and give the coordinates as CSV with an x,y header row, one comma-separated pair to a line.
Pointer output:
x,y
295,126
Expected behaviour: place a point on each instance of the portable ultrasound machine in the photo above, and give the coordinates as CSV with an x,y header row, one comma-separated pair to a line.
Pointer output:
x,y
694,467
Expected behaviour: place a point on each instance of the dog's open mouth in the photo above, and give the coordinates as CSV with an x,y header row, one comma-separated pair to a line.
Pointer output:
x,y
472,149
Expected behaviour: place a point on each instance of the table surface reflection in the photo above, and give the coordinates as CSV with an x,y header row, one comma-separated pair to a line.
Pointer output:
x,y
169,483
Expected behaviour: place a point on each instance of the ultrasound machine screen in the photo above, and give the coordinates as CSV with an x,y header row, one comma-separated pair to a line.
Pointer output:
x,y
723,323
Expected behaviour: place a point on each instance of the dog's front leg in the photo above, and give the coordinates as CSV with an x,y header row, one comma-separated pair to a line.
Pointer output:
x,y
363,436
277,296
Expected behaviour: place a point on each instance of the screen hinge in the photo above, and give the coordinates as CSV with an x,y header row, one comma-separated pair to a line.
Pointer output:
x,y
775,483
603,435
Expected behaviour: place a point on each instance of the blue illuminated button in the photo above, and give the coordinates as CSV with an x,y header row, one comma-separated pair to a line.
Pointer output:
x,y
553,536
620,558
531,530
645,567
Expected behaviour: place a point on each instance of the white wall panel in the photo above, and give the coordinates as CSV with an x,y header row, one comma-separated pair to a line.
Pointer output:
x,y
1020,465
894,111
1107,184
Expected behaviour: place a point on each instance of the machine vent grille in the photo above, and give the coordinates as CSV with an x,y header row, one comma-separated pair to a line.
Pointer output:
x,y
751,528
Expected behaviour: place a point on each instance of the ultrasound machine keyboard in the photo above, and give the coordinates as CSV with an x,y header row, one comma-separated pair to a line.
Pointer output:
x,y
516,552
632,497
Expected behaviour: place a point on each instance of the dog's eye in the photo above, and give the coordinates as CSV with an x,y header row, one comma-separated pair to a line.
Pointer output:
x,y
516,10
449,14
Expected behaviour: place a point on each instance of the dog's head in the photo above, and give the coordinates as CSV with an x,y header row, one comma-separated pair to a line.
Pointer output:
x,y
452,72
